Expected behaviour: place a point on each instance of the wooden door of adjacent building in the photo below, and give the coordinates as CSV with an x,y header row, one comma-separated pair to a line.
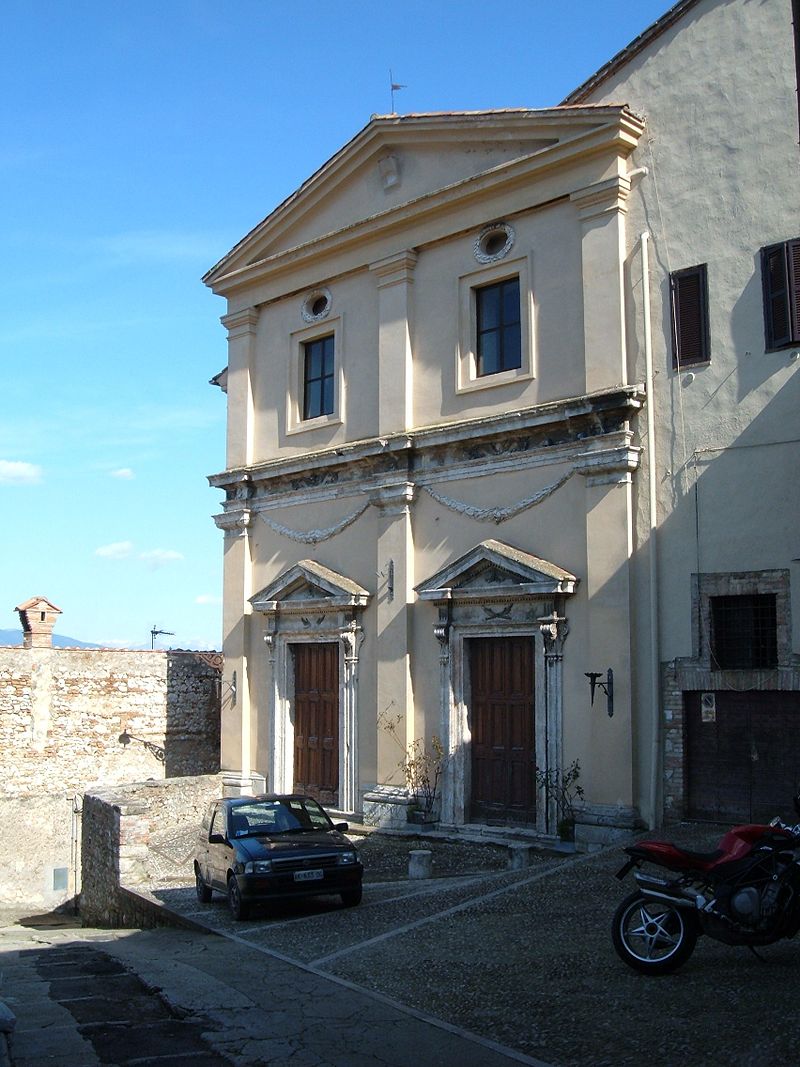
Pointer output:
x,y
742,755
501,716
316,721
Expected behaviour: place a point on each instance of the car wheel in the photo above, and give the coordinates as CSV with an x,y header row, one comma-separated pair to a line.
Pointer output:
x,y
351,897
653,936
239,910
202,890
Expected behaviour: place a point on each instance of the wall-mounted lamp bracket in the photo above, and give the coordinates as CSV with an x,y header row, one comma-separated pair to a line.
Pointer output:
x,y
607,686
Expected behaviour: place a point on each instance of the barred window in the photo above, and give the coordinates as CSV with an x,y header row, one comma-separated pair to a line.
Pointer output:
x,y
744,632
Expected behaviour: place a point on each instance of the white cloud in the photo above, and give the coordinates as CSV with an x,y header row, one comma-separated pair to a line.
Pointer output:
x,y
158,557
18,473
207,598
125,473
116,550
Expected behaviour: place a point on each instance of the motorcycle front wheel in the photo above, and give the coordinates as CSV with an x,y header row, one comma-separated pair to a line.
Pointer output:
x,y
653,936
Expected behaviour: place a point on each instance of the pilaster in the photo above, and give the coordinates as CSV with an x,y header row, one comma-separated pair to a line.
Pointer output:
x,y
601,209
241,327
395,567
395,277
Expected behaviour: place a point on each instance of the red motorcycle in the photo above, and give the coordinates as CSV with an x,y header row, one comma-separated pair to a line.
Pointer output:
x,y
746,892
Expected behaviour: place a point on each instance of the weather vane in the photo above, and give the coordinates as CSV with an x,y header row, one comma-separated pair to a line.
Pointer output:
x,y
393,88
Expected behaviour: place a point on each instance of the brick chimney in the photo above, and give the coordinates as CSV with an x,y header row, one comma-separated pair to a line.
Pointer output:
x,y
37,617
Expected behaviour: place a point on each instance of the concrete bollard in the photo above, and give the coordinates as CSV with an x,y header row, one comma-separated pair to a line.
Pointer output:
x,y
420,863
519,857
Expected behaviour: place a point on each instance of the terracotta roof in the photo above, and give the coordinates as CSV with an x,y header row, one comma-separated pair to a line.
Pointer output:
x,y
637,45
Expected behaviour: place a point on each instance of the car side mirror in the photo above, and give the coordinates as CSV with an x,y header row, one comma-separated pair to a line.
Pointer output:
x,y
216,839
342,827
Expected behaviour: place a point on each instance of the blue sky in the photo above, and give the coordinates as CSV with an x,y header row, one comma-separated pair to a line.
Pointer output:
x,y
139,142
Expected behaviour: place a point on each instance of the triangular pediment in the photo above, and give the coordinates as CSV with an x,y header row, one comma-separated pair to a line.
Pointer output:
x,y
396,164
308,585
495,570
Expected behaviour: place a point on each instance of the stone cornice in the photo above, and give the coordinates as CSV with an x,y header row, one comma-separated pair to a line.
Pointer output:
x,y
563,422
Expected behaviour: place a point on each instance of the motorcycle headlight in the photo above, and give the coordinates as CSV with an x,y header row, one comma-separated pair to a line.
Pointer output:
x,y
347,858
258,867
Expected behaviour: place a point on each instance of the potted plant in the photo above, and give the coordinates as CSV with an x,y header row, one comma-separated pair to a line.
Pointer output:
x,y
563,786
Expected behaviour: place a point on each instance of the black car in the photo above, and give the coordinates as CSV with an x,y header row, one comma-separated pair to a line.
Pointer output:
x,y
263,848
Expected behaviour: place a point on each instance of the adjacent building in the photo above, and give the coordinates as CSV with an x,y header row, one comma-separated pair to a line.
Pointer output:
x,y
512,449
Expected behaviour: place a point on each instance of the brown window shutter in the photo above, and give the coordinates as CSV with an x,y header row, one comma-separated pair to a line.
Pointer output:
x,y
780,269
689,299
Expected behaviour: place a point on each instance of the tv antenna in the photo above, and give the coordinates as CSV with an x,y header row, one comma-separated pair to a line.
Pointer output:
x,y
154,633
393,88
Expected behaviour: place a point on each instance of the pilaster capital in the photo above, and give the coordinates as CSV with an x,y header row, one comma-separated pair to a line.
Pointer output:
x,y
395,269
554,630
394,499
241,323
609,466
234,523
604,198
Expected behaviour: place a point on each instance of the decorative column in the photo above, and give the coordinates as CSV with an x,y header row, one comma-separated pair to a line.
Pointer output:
x,y
395,278
554,630
452,785
601,209
352,638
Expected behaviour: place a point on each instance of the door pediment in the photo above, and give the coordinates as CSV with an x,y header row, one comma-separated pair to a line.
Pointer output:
x,y
494,570
309,586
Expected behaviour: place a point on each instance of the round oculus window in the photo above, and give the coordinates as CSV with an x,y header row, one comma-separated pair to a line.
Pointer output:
x,y
493,242
316,305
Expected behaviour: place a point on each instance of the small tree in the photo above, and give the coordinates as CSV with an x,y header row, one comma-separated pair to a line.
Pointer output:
x,y
563,786
422,770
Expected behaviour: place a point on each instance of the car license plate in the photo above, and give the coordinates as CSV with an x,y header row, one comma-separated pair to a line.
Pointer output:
x,y
308,876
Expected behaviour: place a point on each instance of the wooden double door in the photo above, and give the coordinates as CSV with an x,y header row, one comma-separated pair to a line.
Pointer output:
x,y
742,755
502,725
316,721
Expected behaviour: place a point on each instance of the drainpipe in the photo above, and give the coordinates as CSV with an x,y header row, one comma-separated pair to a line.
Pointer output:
x,y
655,670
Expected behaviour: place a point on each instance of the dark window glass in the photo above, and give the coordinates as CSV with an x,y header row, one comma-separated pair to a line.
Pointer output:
x,y
318,393
689,302
780,275
744,633
499,340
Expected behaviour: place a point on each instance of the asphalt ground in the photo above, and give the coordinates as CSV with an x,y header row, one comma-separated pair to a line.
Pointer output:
x,y
484,966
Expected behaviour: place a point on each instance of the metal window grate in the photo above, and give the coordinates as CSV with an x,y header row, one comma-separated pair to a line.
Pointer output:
x,y
744,632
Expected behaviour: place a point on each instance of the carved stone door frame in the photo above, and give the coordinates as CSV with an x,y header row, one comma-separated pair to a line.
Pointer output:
x,y
497,591
311,604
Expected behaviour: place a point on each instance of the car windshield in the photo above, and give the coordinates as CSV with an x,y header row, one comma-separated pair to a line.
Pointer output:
x,y
289,815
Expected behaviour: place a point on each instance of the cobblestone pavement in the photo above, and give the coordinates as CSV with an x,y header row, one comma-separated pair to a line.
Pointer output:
x,y
521,959
525,959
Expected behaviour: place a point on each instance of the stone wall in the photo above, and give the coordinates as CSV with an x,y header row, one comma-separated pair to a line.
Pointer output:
x,y
71,719
134,835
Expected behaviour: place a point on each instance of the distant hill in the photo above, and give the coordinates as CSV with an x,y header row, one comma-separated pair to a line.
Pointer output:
x,y
14,637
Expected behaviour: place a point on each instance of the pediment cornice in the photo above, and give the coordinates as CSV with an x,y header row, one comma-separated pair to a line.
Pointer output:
x,y
565,135
308,586
493,570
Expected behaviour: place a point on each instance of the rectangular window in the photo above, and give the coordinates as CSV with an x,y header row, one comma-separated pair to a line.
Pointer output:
x,y
744,632
689,304
780,276
499,338
318,377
